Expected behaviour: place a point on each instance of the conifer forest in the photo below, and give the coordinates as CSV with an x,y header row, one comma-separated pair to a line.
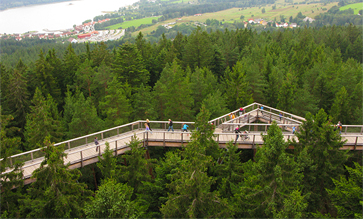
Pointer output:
x,y
67,91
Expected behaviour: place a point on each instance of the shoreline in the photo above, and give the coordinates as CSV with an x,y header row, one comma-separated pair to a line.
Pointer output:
x,y
30,5
61,24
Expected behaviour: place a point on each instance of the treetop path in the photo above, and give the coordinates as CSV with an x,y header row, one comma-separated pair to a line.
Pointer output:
x,y
82,151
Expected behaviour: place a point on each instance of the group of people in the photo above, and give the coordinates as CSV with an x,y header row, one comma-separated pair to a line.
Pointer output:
x,y
170,123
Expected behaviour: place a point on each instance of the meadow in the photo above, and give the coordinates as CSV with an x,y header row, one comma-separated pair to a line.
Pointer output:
x,y
356,7
135,23
234,14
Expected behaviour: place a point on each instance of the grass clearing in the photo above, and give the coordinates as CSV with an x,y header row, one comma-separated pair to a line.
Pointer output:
x,y
135,23
234,14
356,7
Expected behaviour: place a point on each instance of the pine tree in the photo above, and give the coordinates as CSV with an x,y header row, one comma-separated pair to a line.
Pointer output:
x,y
115,104
347,193
17,98
85,77
270,180
56,192
137,170
173,94
42,121
113,200
235,84
340,110
287,93
45,81
143,104
318,154
129,67
83,113
190,186
9,205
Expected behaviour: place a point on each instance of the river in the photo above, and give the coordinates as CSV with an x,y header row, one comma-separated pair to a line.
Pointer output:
x,y
55,16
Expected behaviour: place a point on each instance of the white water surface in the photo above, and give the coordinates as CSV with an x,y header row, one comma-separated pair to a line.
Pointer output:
x,y
55,16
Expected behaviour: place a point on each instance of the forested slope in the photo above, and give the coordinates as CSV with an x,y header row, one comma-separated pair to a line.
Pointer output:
x,y
301,71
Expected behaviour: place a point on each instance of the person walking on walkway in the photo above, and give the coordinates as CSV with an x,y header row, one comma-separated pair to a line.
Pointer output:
x,y
147,128
170,125
240,111
262,110
148,124
96,143
237,131
185,128
280,115
293,130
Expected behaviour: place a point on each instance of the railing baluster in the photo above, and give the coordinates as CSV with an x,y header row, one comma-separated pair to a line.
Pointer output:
x,y
86,141
102,135
116,148
346,129
356,141
164,139
81,159
31,155
69,145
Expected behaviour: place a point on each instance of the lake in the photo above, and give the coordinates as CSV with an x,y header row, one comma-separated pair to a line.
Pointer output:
x,y
55,16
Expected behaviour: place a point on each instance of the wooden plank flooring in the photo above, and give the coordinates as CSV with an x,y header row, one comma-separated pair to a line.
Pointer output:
x,y
87,154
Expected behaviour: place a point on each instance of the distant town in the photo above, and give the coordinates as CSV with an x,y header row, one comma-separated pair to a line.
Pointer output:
x,y
87,33
79,34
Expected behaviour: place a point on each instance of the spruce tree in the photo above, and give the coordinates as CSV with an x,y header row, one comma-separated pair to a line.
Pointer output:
x,y
56,192
42,121
270,180
318,154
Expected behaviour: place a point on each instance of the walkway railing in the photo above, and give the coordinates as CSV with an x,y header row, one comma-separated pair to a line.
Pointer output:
x,y
252,110
103,135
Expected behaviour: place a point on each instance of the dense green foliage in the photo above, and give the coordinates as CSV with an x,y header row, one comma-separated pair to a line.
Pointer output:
x,y
307,71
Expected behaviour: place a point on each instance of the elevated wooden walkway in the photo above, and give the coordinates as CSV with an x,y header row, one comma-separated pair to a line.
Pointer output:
x,y
82,151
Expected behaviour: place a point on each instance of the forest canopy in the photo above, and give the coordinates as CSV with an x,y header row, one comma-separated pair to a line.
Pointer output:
x,y
74,90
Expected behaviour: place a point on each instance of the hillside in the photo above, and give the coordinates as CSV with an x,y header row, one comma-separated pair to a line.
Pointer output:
x,y
234,14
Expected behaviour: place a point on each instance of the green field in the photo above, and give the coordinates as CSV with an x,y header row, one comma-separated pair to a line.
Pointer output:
x,y
135,23
356,7
234,14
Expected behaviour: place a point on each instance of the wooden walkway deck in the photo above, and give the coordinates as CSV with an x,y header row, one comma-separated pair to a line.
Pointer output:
x,y
86,153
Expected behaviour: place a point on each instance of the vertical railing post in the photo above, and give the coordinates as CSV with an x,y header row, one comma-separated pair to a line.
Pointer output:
x,y
284,118
346,129
81,159
265,128
253,142
31,155
102,135
143,136
361,130
182,137
118,131
11,162
69,145
355,145
270,117
132,127
86,140
99,150
116,148
218,139
164,139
